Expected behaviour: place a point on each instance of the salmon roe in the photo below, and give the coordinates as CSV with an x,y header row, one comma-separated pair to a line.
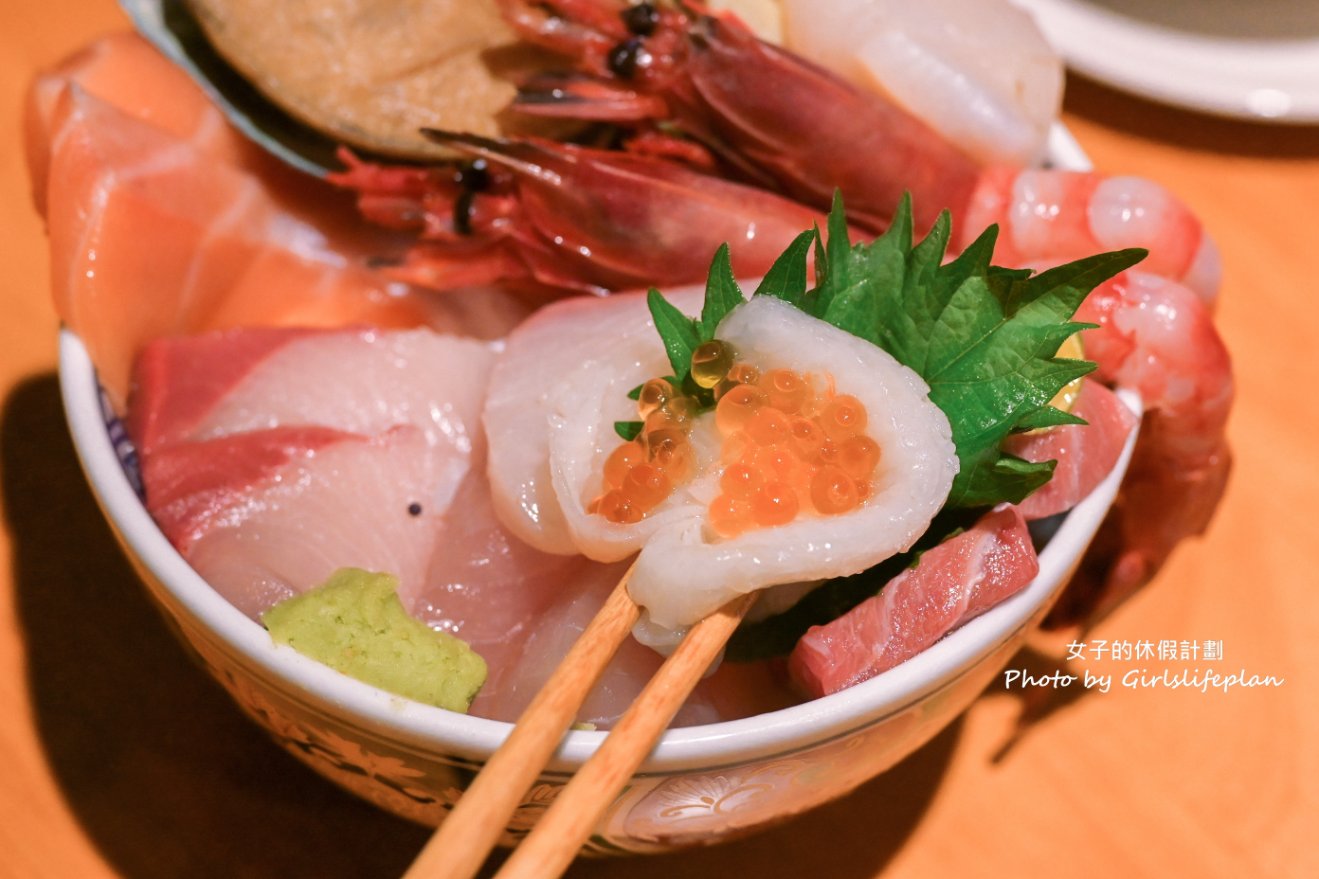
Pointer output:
x,y
788,448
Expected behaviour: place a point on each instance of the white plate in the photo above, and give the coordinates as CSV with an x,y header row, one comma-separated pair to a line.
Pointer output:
x,y
1252,59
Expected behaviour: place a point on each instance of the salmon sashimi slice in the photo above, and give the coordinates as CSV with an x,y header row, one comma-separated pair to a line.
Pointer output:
x,y
149,238
361,502
954,582
125,70
361,381
162,224
1086,453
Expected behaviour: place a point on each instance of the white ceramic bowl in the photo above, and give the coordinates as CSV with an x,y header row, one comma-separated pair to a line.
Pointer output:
x,y
701,783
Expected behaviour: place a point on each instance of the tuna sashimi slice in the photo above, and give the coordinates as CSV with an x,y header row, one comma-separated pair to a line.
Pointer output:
x,y
954,582
1085,453
364,503
360,381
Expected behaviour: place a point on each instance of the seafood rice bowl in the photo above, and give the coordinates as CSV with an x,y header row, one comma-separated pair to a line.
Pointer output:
x,y
382,443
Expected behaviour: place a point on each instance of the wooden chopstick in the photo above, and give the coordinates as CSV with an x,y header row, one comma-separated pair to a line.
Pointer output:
x,y
558,835
472,829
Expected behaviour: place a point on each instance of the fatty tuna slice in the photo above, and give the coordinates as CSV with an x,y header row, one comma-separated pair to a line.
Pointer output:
x,y
953,583
1085,453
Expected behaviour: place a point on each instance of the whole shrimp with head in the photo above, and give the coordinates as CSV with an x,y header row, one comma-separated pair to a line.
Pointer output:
x,y
915,98
567,217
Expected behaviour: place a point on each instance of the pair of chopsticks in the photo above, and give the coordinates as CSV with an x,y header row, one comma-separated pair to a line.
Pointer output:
x,y
472,829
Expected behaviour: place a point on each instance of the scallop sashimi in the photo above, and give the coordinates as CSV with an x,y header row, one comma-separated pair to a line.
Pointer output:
x,y
579,333
863,511
936,60
679,534
953,583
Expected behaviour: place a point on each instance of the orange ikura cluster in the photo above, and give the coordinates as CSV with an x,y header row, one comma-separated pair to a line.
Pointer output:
x,y
787,447
639,474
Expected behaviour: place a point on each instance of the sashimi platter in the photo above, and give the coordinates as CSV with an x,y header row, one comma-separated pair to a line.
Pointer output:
x,y
400,336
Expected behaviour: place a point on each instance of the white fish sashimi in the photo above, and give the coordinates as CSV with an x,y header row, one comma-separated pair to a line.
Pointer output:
x,y
363,382
551,417
346,505
612,337
367,382
979,72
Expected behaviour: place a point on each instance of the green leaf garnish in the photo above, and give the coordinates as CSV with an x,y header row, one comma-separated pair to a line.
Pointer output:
x,y
722,295
786,279
628,430
677,331
982,337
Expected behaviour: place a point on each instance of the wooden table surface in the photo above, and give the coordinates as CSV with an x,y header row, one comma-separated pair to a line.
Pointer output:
x,y
122,759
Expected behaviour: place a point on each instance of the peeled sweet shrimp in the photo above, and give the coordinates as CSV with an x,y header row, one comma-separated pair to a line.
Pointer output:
x,y
1157,337
1049,216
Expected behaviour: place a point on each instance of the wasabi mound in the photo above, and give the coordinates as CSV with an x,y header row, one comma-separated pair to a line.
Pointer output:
x,y
355,624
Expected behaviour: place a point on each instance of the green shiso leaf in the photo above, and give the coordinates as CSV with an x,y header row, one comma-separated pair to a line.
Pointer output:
x,y
722,295
786,279
628,430
677,331
982,337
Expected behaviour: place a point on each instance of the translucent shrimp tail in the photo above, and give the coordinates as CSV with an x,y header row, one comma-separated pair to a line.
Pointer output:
x,y
1156,337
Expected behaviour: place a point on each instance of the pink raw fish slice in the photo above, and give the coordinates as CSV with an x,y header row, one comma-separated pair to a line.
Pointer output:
x,y
360,381
1085,453
955,581
483,584
347,504
124,70
179,380
190,485
150,238
733,691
